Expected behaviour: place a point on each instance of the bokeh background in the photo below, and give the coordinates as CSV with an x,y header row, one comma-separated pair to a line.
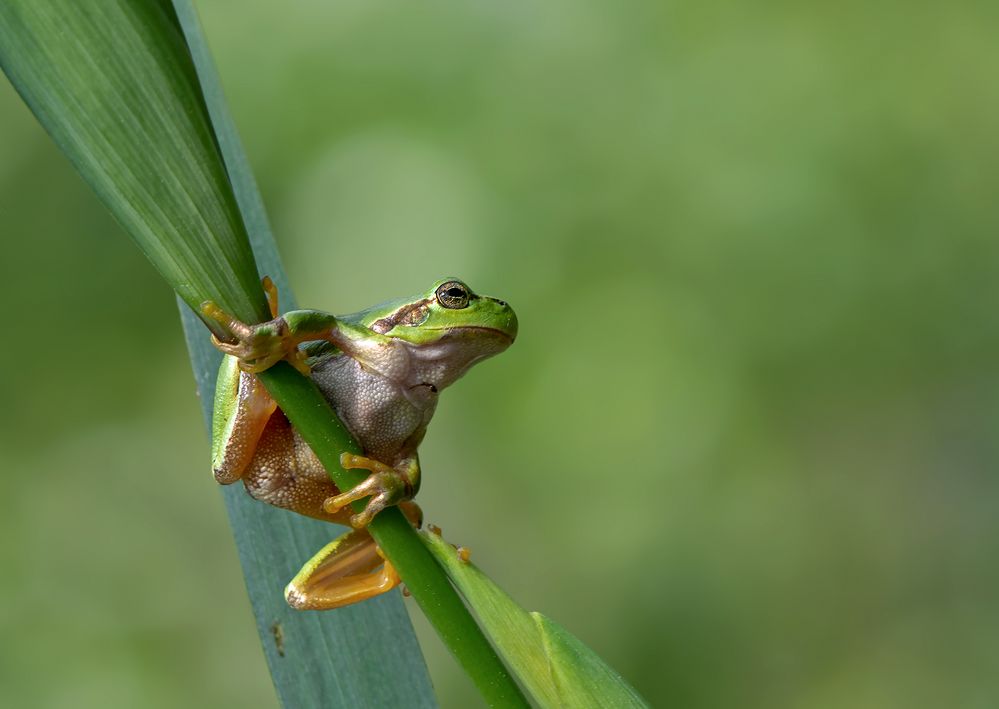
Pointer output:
x,y
745,446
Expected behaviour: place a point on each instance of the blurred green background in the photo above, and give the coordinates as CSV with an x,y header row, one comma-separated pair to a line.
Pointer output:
x,y
745,444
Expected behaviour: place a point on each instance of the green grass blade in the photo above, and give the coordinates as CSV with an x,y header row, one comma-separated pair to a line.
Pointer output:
x,y
244,186
553,666
114,84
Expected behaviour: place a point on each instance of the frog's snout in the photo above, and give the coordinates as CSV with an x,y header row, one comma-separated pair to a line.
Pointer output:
x,y
511,325
499,316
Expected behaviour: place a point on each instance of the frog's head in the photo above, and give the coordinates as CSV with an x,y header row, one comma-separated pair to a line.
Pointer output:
x,y
449,325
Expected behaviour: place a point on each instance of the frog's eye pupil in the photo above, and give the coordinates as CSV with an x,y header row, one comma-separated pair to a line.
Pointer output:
x,y
453,295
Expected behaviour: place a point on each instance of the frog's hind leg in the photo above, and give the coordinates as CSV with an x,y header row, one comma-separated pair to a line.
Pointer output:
x,y
347,570
284,472
242,409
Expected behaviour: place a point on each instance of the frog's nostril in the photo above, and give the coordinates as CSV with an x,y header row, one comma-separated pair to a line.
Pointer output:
x,y
502,302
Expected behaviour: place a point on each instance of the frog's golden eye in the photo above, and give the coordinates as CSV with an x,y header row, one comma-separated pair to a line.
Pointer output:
x,y
453,295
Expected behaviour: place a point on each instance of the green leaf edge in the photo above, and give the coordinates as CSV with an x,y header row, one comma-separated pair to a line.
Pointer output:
x,y
555,668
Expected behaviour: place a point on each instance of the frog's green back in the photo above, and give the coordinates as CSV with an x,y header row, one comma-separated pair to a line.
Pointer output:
x,y
376,312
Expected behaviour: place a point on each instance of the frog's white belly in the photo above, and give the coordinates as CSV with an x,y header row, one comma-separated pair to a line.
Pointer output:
x,y
388,418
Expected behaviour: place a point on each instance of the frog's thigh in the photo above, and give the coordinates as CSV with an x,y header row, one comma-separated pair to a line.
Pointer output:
x,y
345,571
285,473
242,429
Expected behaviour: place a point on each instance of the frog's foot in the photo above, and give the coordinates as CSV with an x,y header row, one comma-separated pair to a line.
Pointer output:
x,y
386,486
257,347
347,570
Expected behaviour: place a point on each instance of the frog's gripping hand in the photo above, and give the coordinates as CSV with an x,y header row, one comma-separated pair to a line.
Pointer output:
x,y
259,347
386,486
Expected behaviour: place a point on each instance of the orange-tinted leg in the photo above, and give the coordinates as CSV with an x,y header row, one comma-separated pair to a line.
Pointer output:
x,y
234,448
347,570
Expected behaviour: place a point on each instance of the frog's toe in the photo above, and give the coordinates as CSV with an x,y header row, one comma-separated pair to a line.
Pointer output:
x,y
363,519
254,363
229,348
375,505
227,321
350,461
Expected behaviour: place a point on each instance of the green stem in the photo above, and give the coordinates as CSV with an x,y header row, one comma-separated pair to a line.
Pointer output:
x,y
312,416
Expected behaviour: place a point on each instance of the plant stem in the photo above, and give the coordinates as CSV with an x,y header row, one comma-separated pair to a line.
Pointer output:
x,y
312,416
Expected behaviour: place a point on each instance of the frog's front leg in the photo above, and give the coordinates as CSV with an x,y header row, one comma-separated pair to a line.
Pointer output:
x,y
386,486
261,346
257,347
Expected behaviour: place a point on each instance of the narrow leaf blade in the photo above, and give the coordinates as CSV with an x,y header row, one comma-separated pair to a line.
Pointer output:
x,y
371,654
553,666
114,84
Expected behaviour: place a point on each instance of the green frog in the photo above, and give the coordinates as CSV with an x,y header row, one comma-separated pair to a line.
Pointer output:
x,y
382,370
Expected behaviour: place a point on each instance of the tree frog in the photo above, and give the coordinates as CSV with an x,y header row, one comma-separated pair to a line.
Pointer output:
x,y
382,370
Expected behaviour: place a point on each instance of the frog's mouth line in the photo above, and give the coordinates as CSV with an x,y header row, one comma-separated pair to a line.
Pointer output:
x,y
477,329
